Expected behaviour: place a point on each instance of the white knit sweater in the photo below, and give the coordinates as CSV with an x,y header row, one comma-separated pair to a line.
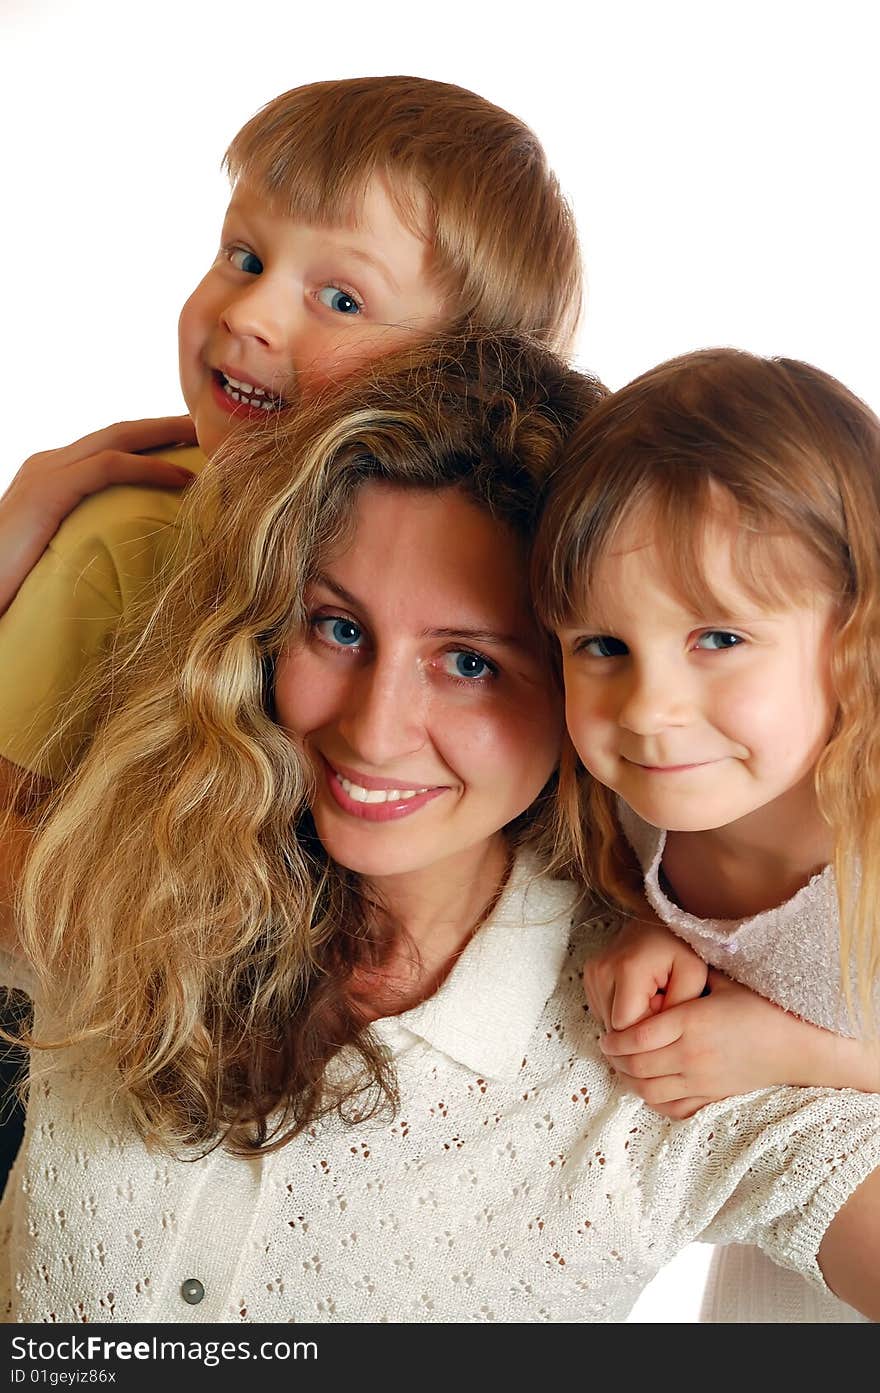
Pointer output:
x,y
517,1182
791,956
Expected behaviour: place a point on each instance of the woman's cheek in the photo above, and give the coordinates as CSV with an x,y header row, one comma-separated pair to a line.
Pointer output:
x,y
522,735
303,691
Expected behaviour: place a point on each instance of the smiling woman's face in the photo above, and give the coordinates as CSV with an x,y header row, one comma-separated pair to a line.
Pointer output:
x,y
422,689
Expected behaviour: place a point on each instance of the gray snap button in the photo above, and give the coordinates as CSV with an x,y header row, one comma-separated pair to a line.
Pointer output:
x,y
192,1291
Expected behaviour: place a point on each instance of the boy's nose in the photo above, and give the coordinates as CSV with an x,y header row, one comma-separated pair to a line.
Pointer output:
x,y
270,317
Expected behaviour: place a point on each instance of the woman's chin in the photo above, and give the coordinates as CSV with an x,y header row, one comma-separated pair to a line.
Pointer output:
x,y
361,851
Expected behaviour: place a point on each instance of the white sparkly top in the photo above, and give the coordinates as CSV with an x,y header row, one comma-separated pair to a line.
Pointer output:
x,y
790,954
518,1182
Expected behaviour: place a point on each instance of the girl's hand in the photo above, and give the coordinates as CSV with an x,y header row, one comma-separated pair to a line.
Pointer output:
x,y
732,1041
645,970
49,485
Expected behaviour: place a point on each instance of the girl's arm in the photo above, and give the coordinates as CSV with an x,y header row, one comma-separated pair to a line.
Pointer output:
x,y
645,969
733,1041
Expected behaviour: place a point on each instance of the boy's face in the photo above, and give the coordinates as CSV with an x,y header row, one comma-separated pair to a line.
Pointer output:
x,y
701,720
288,307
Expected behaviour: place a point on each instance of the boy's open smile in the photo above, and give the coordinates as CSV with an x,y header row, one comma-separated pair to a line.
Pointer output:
x,y
289,307
243,398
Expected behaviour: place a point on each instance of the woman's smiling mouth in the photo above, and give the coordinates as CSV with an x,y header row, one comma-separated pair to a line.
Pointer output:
x,y
374,800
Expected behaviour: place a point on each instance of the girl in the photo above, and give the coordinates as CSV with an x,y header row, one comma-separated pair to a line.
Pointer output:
x,y
312,1038
710,562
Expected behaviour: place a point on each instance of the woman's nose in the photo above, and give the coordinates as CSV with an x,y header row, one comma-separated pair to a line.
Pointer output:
x,y
385,716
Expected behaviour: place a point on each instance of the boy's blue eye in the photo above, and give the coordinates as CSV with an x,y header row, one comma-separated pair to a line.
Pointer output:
x,y
715,639
463,663
246,261
334,629
602,646
338,300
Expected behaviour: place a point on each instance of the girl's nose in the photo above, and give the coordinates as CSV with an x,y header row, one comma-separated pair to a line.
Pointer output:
x,y
655,697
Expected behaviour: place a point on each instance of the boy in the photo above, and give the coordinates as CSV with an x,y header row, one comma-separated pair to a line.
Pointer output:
x,y
364,213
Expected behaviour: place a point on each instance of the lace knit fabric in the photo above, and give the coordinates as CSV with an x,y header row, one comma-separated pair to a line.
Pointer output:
x,y
791,956
516,1183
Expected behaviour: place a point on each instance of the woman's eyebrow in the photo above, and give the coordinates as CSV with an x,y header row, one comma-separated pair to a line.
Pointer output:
x,y
345,595
477,636
470,634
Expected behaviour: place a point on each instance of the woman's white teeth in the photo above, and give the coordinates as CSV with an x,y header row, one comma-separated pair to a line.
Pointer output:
x,y
252,396
377,795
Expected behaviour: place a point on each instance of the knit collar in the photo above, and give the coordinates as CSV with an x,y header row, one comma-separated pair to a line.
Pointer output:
x,y
488,1007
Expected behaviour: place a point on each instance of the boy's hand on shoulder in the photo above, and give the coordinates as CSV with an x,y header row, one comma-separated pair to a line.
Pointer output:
x,y
645,970
729,1042
50,484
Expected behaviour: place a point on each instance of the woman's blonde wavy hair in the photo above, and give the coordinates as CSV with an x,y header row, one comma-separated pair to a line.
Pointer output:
x,y
799,456
179,912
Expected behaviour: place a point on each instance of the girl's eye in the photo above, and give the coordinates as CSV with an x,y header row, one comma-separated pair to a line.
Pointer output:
x,y
715,639
602,646
246,261
462,663
338,300
342,633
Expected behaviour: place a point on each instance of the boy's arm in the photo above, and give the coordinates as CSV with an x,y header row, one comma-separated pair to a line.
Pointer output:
x,y
49,485
16,836
105,561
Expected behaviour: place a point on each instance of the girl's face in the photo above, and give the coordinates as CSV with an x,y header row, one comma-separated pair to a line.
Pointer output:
x,y
698,720
423,689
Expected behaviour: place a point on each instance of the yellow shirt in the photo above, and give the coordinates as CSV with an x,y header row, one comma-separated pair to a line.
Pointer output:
x,y
65,615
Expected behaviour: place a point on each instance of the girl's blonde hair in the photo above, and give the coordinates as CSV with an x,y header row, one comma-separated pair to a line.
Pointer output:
x,y
178,909
505,247
798,455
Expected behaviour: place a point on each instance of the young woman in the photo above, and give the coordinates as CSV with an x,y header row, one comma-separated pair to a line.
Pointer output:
x,y
312,1041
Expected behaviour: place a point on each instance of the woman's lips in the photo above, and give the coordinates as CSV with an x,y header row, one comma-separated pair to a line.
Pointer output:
x,y
390,810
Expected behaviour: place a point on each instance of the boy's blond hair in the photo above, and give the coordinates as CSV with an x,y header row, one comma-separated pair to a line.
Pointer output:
x,y
504,237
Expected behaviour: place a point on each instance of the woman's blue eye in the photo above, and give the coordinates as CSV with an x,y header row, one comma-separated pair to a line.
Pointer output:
x,y
715,639
245,261
338,300
336,630
463,663
603,647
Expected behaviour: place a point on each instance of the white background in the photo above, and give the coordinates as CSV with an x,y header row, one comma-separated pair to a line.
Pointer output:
x,y
721,158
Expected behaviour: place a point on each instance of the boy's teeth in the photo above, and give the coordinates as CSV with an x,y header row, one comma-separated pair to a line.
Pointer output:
x,y
377,795
247,392
246,387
